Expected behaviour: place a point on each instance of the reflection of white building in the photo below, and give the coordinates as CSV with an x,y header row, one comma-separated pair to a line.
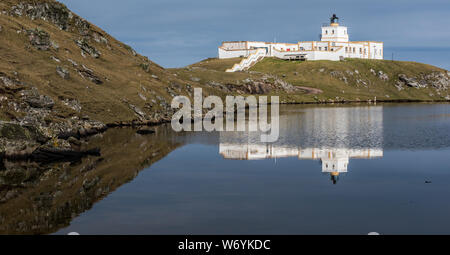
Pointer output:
x,y
334,45
334,160
333,135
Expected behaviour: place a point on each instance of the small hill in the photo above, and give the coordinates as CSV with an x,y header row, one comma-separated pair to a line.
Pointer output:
x,y
329,81
62,76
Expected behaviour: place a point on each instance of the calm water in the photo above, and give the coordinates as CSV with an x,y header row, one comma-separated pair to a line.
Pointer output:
x,y
334,170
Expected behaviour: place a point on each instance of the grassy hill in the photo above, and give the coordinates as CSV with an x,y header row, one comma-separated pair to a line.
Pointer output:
x,y
81,68
61,76
349,80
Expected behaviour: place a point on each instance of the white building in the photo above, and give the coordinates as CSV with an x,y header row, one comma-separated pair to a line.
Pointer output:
x,y
334,45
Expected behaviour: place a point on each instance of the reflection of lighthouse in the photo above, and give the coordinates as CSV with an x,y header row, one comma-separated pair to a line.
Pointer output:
x,y
333,135
334,160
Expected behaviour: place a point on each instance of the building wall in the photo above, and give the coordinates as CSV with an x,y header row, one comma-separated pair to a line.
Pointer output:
x,y
334,33
234,53
333,46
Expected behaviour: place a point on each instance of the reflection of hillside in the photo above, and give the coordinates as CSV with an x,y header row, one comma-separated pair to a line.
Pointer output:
x,y
43,198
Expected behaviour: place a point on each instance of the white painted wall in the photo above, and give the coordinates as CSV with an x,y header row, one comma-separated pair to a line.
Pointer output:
x,y
331,47
335,33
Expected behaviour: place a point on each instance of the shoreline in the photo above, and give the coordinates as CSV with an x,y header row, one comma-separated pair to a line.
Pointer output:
x,y
42,152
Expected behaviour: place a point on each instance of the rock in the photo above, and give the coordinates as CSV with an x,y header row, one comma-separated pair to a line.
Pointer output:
x,y
145,131
89,74
56,13
15,131
383,76
1,28
142,97
411,82
74,141
35,100
39,39
18,141
10,83
437,80
62,72
336,73
55,59
88,49
99,37
72,62
73,104
195,79
373,71
322,70
356,71
399,85
142,116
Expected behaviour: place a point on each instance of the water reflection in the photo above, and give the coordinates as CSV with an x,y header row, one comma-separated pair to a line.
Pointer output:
x,y
332,135
188,187
40,198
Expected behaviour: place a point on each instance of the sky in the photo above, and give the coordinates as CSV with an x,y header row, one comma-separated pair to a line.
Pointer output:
x,y
176,33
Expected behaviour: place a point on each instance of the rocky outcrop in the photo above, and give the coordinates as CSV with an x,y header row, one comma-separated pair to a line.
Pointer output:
x,y
62,72
410,81
89,74
264,85
39,39
436,80
35,100
53,12
87,48
19,141
383,76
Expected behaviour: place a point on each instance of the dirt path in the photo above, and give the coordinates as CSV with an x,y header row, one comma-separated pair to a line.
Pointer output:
x,y
310,91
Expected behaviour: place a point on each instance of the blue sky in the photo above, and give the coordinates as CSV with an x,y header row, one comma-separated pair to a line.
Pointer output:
x,y
176,33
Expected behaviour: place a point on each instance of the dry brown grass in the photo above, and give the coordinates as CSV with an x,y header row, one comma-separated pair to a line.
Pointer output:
x,y
122,72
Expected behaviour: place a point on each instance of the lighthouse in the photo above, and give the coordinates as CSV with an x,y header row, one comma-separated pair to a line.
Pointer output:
x,y
334,45
334,32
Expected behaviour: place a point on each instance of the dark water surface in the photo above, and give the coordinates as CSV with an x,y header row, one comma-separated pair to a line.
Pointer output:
x,y
334,170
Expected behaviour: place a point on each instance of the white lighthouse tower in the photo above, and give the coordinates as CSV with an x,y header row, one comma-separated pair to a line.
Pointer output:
x,y
334,32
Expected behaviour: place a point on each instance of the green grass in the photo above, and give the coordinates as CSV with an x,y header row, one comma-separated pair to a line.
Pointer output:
x,y
217,64
317,74
309,74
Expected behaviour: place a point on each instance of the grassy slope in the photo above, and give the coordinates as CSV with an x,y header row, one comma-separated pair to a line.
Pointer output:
x,y
118,67
308,74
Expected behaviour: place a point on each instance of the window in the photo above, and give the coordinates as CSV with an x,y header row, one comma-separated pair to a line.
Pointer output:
x,y
326,48
326,32
332,31
320,48
360,50
346,49
354,49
